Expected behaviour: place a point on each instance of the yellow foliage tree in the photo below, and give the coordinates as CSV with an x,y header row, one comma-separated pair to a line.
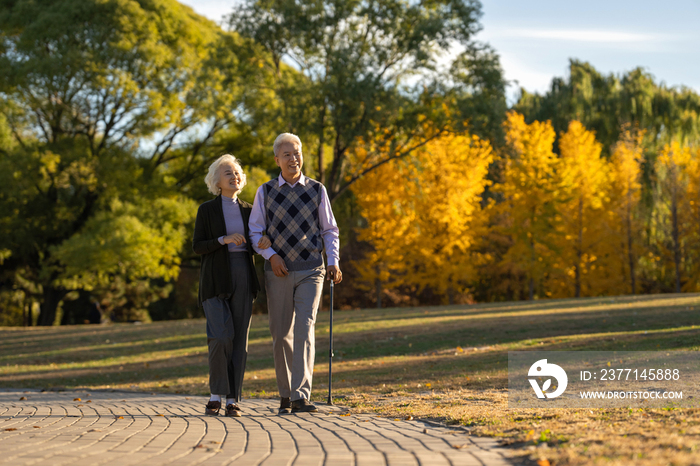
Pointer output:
x,y
529,188
693,216
423,215
383,197
584,179
625,187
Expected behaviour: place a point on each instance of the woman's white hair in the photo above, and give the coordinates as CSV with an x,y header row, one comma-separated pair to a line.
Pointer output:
x,y
285,138
212,177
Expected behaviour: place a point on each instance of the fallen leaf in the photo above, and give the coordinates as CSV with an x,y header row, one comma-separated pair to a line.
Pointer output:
x,y
459,447
214,441
543,462
120,417
77,406
77,399
88,401
10,429
161,415
95,430
200,446
37,427
22,398
409,418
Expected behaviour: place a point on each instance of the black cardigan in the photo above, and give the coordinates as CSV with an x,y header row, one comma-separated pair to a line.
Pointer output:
x,y
215,272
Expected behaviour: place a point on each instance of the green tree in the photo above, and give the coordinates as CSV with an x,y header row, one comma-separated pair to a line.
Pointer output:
x,y
112,107
374,68
605,103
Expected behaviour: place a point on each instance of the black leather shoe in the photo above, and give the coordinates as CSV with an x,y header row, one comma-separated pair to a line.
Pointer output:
x,y
303,406
212,408
285,406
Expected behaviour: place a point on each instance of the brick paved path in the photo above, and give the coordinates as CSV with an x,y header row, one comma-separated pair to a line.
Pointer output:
x,y
103,427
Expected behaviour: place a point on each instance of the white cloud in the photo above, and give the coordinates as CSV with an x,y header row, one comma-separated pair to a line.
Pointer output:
x,y
579,35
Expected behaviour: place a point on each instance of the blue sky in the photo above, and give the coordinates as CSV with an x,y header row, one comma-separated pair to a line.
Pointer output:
x,y
536,38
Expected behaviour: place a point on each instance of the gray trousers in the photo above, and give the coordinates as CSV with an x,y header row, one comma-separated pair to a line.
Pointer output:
x,y
228,323
292,304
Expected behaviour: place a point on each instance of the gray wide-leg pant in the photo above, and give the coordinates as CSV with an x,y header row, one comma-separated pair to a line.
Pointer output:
x,y
228,323
292,304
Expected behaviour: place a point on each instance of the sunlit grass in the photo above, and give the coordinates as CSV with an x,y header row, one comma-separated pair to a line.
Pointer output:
x,y
447,363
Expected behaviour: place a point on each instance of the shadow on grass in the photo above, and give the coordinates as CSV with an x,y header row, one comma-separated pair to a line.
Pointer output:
x,y
401,351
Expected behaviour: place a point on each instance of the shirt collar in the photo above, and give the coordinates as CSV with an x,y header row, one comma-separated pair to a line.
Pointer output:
x,y
281,181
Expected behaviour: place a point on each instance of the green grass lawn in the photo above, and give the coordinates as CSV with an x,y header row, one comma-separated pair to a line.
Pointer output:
x,y
447,363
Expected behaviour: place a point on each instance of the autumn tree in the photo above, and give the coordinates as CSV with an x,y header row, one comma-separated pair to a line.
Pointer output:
x,y
584,176
384,197
625,186
528,189
424,214
693,222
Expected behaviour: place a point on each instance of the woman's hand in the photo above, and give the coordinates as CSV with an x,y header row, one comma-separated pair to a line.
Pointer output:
x,y
264,243
235,238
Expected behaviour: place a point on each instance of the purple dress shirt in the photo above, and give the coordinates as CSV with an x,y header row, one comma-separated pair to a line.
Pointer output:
x,y
234,222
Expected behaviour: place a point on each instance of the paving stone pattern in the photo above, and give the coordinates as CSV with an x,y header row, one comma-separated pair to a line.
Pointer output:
x,y
78,428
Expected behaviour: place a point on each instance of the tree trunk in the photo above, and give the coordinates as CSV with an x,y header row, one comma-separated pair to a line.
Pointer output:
x,y
451,296
378,284
531,281
321,168
49,305
333,183
676,242
630,244
26,313
579,250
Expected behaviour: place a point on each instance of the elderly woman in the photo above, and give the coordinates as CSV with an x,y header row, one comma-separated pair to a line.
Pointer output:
x,y
227,281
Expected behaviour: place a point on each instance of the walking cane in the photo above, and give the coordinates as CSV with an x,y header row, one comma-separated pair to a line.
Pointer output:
x,y
330,352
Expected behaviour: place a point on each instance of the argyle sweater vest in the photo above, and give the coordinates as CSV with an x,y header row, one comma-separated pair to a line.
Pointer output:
x,y
293,225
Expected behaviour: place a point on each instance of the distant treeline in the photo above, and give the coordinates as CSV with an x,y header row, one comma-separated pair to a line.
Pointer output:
x,y
111,112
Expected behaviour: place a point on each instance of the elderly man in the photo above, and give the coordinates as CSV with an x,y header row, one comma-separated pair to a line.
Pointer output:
x,y
296,213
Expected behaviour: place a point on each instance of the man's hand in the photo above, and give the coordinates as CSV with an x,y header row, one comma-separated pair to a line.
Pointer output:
x,y
278,266
264,242
235,238
333,272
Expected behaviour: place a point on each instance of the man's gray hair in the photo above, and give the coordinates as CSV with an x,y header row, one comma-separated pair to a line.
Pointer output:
x,y
212,177
285,138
